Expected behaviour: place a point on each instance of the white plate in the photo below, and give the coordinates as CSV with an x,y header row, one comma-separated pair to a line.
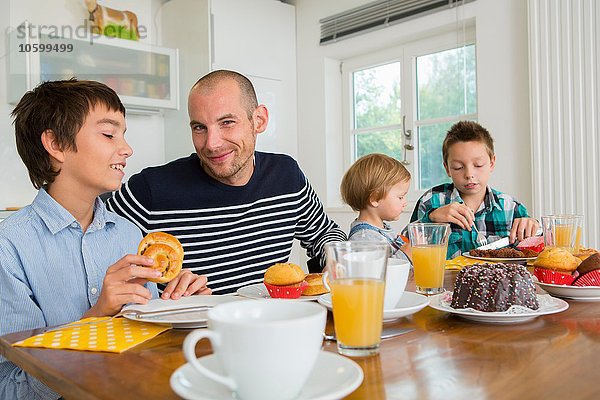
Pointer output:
x,y
501,260
333,377
408,304
192,319
588,293
259,291
548,305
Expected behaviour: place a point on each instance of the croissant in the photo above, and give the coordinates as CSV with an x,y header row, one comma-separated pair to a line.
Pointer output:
x,y
167,253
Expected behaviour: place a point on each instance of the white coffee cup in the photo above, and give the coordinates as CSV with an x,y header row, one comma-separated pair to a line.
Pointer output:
x,y
267,348
395,281
362,262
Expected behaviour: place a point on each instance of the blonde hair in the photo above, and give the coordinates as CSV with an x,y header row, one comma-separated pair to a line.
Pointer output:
x,y
370,178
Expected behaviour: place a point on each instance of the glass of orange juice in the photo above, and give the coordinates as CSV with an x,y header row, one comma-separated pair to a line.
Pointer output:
x,y
563,231
429,244
356,277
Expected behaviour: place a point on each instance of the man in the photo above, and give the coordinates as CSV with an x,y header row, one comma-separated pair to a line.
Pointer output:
x,y
236,211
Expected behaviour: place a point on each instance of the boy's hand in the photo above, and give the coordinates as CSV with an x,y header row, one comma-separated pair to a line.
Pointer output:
x,y
186,284
523,228
454,213
124,283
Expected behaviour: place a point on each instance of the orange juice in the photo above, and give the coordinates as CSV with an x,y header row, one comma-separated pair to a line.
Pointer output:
x,y
563,234
357,311
428,261
578,240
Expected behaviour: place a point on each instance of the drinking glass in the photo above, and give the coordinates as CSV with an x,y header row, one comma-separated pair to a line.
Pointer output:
x,y
429,243
563,231
356,274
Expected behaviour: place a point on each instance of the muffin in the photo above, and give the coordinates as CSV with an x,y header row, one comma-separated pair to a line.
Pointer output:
x,y
585,253
315,285
556,265
285,281
589,271
533,244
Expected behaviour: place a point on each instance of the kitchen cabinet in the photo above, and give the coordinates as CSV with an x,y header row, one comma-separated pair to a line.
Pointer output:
x,y
145,76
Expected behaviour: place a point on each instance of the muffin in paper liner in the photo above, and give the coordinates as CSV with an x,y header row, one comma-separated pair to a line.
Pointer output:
x,y
534,243
591,278
554,277
287,291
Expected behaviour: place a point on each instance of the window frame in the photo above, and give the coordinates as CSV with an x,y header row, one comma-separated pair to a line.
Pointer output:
x,y
406,54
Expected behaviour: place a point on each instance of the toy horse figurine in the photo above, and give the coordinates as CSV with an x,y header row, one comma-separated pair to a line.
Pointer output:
x,y
110,22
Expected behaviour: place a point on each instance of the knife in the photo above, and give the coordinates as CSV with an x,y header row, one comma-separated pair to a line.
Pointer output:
x,y
385,334
498,244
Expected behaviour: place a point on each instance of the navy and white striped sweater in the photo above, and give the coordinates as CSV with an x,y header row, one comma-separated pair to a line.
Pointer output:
x,y
231,234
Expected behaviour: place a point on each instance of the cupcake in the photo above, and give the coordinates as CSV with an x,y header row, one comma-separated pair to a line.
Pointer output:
x,y
584,253
285,281
589,271
533,244
556,265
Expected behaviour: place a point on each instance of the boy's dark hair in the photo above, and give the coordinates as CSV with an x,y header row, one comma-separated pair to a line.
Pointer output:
x,y
59,106
467,131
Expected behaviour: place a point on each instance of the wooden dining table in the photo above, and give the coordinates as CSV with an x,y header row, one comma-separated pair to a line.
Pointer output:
x,y
445,357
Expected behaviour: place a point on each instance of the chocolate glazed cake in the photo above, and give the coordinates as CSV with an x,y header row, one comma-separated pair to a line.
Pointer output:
x,y
494,287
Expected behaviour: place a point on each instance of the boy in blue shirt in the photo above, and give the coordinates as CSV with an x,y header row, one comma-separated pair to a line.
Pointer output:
x,y
469,159
62,257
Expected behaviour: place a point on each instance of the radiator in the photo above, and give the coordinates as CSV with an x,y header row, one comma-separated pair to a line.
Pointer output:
x,y
564,72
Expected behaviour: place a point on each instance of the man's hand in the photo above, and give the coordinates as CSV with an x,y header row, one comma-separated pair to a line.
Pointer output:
x,y
124,283
454,213
186,284
523,228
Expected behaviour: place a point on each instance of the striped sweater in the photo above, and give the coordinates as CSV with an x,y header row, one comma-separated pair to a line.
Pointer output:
x,y
231,234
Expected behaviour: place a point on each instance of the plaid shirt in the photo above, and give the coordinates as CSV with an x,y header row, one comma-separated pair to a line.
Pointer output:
x,y
493,218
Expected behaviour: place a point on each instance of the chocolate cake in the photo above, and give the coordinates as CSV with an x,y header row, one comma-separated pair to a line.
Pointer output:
x,y
494,287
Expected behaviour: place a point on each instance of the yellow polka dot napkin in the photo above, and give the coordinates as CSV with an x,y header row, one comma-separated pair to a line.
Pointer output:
x,y
113,335
459,262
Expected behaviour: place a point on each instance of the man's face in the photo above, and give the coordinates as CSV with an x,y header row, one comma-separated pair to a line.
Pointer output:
x,y
223,135
469,165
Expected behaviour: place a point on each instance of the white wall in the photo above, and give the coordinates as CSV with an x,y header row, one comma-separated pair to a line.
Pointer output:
x,y
503,99
185,24
144,133
259,40
565,98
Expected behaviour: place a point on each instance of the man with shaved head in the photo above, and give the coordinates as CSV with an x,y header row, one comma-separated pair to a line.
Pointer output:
x,y
236,211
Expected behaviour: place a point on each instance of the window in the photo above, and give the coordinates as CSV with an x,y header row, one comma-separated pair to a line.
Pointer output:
x,y
402,101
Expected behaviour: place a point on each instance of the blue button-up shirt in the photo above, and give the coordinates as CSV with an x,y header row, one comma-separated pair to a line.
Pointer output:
x,y
51,273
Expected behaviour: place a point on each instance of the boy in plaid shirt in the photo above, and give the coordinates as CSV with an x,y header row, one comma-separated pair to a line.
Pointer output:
x,y
469,159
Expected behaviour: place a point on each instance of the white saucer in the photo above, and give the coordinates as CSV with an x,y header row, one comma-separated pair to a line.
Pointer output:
x,y
259,291
333,377
584,293
548,305
192,319
408,304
